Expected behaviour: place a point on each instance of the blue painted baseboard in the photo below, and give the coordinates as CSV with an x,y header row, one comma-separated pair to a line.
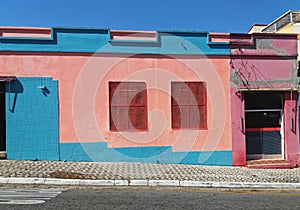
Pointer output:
x,y
99,152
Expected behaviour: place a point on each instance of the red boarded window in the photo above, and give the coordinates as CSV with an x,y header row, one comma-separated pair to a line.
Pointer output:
x,y
188,105
128,106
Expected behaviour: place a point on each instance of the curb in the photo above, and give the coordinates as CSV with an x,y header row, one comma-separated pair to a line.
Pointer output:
x,y
150,183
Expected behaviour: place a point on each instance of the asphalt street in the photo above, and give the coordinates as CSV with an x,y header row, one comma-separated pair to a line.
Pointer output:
x,y
155,198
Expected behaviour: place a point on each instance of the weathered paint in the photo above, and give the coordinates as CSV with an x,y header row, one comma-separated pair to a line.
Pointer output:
x,y
263,62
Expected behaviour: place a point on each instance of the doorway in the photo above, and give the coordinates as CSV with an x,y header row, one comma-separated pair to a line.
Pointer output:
x,y
2,118
264,125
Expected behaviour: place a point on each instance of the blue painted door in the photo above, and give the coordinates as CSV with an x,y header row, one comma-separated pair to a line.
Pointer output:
x,y
32,119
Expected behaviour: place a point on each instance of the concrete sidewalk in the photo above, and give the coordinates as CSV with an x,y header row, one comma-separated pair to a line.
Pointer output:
x,y
144,174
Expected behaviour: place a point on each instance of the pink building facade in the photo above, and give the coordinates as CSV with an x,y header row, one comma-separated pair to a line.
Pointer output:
x,y
264,95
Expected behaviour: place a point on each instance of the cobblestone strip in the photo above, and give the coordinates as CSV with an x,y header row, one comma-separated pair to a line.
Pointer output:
x,y
144,171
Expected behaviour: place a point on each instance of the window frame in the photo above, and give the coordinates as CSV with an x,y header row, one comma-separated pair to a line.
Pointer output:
x,y
200,102
129,106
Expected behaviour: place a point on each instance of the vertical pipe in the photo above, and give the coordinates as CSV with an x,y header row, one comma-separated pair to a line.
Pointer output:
x,y
282,130
291,113
9,96
241,113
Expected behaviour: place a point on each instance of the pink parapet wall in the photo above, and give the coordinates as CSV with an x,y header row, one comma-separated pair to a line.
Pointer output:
x,y
133,35
30,32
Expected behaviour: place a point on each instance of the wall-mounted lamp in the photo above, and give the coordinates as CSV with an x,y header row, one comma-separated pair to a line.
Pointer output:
x,y
44,89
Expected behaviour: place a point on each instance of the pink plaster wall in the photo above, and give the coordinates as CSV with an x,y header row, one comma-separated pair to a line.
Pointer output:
x,y
264,44
25,32
219,37
264,71
83,96
263,62
238,134
133,35
291,131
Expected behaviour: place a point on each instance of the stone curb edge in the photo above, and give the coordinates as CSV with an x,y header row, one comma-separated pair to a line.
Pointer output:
x,y
154,183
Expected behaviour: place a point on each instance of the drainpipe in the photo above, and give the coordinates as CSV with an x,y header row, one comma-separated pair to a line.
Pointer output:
x,y
241,113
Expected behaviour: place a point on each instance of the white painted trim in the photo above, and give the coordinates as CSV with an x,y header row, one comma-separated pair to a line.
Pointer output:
x,y
263,110
174,183
282,134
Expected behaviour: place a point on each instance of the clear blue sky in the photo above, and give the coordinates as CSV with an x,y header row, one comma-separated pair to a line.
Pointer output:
x,y
200,15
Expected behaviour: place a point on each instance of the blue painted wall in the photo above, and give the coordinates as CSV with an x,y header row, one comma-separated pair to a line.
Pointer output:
x,y
100,152
98,40
32,119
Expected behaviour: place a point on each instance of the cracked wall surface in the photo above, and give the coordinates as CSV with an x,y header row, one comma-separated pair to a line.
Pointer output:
x,y
264,62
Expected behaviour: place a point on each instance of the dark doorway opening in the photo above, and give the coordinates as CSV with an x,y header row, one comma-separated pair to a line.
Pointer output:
x,y
2,118
264,125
